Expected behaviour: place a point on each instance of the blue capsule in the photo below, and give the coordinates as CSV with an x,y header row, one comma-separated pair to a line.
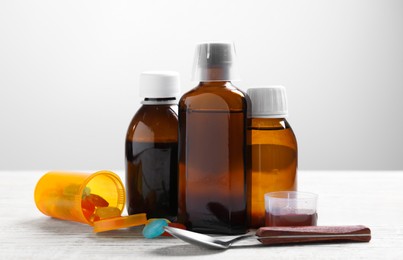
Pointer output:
x,y
154,228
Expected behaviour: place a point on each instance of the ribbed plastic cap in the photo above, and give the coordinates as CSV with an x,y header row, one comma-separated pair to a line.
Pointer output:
x,y
159,84
268,101
215,61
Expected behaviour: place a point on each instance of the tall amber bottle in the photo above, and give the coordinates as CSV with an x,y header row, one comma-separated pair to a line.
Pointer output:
x,y
152,148
213,158
274,149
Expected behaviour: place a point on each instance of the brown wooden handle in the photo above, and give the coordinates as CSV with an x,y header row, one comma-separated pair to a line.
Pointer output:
x,y
285,235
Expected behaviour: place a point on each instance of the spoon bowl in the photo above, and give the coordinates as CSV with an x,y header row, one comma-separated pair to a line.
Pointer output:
x,y
203,240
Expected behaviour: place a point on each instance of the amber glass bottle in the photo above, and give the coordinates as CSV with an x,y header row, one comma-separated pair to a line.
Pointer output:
x,y
152,149
273,147
213,157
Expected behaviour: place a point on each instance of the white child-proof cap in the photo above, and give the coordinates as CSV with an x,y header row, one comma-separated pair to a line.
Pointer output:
x,y
268,101
159,84
215,61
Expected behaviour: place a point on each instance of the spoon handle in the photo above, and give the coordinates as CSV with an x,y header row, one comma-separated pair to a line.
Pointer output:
x,y
311,234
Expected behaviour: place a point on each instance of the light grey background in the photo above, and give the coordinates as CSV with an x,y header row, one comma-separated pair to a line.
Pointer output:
x,y
69,74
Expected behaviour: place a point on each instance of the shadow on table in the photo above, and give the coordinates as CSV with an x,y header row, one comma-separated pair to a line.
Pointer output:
x,y
184,250
192,250
52,226
46,226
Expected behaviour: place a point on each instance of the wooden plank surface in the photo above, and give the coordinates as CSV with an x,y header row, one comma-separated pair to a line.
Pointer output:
x,y
374,199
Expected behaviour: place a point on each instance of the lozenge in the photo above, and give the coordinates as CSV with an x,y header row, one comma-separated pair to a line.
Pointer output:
x,y
154,228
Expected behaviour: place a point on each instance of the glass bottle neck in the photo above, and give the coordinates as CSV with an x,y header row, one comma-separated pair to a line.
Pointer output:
x,y
269,123
159,101
215,84
216,74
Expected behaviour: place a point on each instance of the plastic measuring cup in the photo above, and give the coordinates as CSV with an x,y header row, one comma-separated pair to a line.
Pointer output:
x,y
290,208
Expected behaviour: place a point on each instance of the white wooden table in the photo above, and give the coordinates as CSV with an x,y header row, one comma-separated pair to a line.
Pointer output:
x,y
374,199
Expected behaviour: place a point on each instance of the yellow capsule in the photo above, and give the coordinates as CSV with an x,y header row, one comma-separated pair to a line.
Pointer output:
x,y
107,212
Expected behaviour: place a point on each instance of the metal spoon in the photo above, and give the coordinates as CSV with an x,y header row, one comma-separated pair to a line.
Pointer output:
x,y
279,235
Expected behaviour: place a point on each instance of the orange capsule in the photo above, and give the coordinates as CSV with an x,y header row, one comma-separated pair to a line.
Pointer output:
x,y
94,218
87,213
87,204
87,207
97,200
175,225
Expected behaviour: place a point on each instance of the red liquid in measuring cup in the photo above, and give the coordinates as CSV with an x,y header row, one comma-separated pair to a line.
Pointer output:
x,y
290,220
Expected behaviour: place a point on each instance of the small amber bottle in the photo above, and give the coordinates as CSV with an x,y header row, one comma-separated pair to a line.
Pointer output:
x,y
152,148
273,148
213,157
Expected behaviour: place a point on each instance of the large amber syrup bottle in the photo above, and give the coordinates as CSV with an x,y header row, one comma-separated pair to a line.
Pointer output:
x,y
152,149
274,149
213,158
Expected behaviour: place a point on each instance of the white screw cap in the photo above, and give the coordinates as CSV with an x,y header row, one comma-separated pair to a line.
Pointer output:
x,y
268,101
215,61
159,84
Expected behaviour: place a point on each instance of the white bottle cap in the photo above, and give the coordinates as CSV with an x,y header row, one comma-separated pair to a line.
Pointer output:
x,y
159,84
268,102
215,61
